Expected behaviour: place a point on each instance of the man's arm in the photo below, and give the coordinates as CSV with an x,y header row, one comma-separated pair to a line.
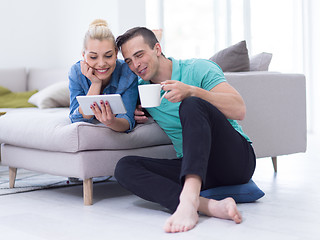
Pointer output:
x,y
139,115
223,96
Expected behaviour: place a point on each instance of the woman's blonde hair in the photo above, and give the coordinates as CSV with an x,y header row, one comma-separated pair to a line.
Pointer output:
x,y
99,30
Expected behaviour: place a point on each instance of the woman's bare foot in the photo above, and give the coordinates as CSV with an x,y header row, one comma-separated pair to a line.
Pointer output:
x,y
184,218
225,209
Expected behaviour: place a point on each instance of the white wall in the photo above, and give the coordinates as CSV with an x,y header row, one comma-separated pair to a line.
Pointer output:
x,y
49,33
313,67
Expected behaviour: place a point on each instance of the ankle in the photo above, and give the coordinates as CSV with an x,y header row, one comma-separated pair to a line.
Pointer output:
x,y
189,198
191,189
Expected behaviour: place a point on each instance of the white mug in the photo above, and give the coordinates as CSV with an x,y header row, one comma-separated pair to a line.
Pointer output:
x,y
150,95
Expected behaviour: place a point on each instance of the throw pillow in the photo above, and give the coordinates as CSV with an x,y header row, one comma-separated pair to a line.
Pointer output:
x,y
56,95
242,193
4,91
260,62
9,99
233,59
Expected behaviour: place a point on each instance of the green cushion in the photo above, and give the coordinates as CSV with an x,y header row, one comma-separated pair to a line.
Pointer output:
x,y
4,91
10,99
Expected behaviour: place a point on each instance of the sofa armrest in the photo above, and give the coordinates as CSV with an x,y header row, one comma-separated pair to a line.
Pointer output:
x,y
276,111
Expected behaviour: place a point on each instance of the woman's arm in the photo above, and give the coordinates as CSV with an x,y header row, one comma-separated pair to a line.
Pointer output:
x,y
130,98
104,115
128,88
95,87
77,88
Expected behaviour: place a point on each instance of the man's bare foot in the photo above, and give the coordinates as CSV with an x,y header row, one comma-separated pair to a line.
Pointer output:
x,y
184,218
225,209
186,215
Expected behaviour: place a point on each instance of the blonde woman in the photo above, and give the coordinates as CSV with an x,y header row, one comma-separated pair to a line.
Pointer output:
x,y
100,72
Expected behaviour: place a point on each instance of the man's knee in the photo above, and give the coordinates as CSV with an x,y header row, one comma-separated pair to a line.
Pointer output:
x,y
190,101
188,104
194,105
123,167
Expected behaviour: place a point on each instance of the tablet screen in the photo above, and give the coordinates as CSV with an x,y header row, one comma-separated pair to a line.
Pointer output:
x,y
114,100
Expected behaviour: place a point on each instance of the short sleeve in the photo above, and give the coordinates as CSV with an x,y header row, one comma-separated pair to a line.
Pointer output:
x,y
208,73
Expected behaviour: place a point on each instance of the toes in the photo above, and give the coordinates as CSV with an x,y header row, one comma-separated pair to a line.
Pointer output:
x,y
175,228
237,218
167,227
183,227
187,228
178,228
171,227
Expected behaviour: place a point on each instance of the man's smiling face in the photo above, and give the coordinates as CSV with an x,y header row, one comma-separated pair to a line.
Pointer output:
x,y
141,59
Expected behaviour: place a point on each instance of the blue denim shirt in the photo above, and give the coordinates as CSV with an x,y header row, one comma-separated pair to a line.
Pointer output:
x,y
123,81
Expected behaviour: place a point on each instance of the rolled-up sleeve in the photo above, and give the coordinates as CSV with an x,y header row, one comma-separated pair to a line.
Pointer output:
x,y
123,82
129,98
76,89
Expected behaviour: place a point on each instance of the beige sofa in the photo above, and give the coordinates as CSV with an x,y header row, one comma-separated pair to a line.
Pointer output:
x,y
44,140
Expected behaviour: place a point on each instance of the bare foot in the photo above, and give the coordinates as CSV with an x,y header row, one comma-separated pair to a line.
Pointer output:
x,y
184,218
225,209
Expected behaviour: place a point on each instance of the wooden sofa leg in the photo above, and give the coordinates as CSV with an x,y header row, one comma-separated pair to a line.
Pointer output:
x,y
12,176
88,191
274,162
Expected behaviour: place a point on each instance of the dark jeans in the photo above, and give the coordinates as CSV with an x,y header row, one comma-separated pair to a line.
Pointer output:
x,y
212,149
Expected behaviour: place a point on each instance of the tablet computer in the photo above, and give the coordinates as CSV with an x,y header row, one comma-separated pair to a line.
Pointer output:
x,y
114,100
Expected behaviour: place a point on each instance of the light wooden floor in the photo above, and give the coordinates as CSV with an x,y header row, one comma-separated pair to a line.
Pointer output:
x,y
290,209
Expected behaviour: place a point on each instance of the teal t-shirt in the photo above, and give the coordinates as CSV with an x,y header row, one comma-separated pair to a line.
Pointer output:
x,y
196,72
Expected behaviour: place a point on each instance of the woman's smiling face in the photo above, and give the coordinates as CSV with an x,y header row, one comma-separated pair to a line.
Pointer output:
x,y
102,57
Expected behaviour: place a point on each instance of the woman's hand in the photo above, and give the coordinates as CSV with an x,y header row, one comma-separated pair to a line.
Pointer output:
x,y
104,113
177,91
89,72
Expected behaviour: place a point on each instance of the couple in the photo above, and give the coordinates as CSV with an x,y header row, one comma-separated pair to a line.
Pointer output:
x,y
199,115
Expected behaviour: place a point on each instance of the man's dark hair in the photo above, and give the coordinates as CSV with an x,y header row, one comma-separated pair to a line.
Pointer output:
x,y
147,34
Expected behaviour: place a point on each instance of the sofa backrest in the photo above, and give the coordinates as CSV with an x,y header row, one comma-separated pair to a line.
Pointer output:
x,y
21,79
41,78
14,79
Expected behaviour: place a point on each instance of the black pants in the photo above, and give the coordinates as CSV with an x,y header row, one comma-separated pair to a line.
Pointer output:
x,y
212,149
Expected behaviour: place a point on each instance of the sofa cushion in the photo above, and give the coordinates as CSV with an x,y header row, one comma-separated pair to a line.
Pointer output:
x,y
50,129
233,59
53,96
242,193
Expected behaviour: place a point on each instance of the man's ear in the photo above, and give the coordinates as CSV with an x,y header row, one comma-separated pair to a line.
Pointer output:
x,y
157,48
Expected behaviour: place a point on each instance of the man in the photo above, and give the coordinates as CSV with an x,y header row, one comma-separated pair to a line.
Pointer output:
x,y
198,114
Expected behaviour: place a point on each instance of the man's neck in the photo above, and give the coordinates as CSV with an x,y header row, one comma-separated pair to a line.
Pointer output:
x,y
164,70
